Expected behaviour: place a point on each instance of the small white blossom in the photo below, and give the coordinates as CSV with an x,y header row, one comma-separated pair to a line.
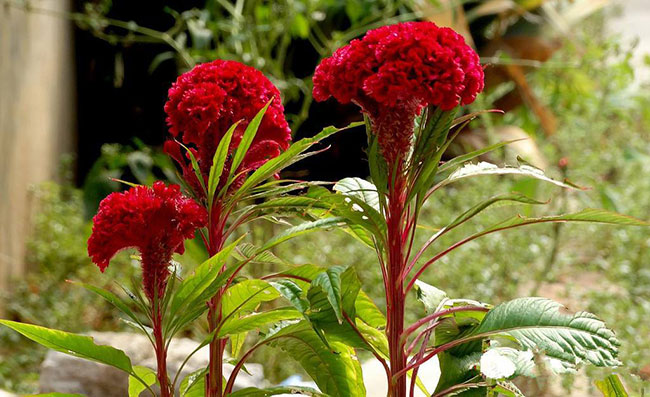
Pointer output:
x,y
495,365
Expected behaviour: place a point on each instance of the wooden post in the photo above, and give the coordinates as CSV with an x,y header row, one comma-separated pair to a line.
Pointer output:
x,y
36,115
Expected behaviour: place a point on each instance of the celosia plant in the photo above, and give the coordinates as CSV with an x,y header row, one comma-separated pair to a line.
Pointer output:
x,y
231,140
409,81
156,221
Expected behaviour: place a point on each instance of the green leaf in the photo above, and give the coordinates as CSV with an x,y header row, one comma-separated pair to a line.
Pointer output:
x,y
475,210
611,386
359,188
236,343
188,300
459,160
430,296
285,159
485,168
434,133
247,138
246,296
330,283
538,323
376,162
219,161
300,229
73,344
257,320
525,362
195,166
273,391
194,384
135,385
293,293
245,251
368,312
455,370
337,372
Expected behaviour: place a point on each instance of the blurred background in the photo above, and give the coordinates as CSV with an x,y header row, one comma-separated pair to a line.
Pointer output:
x,y
82,89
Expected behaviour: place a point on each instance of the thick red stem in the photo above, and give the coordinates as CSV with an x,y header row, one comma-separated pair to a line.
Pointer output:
x,y
214,382
161,352
395,295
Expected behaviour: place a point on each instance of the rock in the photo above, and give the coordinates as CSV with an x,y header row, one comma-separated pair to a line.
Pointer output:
x,y
7,394
67,374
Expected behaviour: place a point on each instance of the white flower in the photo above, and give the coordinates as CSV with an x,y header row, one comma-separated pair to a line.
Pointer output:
x,y
495,365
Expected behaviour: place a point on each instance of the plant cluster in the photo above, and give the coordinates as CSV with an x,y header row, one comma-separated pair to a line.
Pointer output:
x,y
230,140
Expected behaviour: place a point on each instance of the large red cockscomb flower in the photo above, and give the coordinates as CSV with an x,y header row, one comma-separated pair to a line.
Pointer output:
x,y
206,101
154,220
394,71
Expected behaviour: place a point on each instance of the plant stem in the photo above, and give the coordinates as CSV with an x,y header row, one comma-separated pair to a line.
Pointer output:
x,y
161,351
214,381
395,295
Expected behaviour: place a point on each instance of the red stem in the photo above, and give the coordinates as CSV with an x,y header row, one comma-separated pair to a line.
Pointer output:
x,y
161,351
395,294
214,381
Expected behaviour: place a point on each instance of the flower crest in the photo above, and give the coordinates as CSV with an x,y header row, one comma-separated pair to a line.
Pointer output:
x,y
395,70
206,101
154,220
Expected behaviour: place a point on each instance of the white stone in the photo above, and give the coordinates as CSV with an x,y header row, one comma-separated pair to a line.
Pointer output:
x,y
374,377
66,374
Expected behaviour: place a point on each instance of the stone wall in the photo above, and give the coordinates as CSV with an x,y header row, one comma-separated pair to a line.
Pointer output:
x,y
36,115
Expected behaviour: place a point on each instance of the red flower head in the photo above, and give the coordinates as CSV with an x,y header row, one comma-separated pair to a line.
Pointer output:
x,y
155,220
394,71
206,101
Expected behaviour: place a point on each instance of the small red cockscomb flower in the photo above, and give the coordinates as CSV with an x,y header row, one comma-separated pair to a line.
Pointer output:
x,y
154,220
206,101
394,71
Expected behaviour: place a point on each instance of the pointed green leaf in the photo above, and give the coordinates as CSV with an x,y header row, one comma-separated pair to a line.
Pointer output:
x,y
257,320
246,296
475,210
135,385
293,293
459,160
302,228
337,372
430,296
368,312
359,188
195,166
285,159
247,138
194,384
75,345
329,282
538,323
219,160
485,168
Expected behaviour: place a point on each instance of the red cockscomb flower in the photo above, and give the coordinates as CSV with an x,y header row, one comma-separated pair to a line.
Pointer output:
x,y
206,101
393,71
154,220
